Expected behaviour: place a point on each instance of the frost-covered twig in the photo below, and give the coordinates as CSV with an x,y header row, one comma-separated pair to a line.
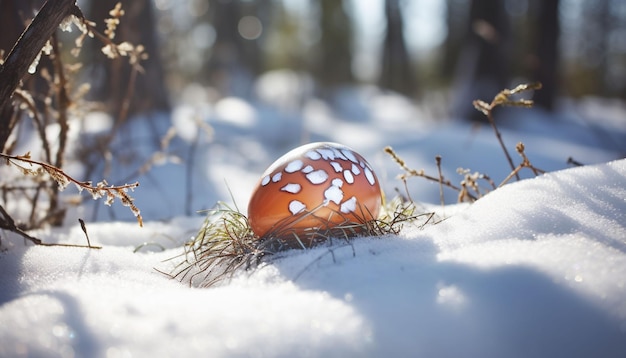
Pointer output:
x,y
100,190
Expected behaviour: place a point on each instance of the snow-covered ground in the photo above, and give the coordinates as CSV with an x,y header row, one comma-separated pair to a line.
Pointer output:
x,y
534,269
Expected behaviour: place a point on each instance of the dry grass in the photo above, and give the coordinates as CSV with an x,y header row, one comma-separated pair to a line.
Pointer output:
x,y
225,242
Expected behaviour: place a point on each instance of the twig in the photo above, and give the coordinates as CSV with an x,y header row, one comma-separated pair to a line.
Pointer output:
x,y
100,190
409,172
504,99
524,164
84,228
487,110
438,161
29,45
63,102
26,99
7,222
574,162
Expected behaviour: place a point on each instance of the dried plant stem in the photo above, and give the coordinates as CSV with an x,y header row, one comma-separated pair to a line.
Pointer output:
x,y
88,246
63,179
25,98
499,137
574,162
409,172
524,164
7,223
63,102
504,99
441,199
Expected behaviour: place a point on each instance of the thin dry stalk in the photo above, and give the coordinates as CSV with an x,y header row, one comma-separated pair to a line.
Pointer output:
x,y
524,164
410,172
7,223
469,190
441,199
504,99
63,180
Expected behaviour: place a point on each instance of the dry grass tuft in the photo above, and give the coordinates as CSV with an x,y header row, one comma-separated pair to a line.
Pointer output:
x,y
225,242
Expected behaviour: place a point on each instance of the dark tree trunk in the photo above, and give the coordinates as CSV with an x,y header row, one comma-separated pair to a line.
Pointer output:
x,y
22,54
482,70
396,73
546,65
235,60
456,19
333,56
13,17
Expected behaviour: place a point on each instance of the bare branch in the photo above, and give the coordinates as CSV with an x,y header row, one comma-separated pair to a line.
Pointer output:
x,y
29,45
63,179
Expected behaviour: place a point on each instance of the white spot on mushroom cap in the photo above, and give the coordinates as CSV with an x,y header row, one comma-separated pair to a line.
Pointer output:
x,y
337,182
336,166
338,154
276,178
347,175
296,206
307,169
294,166
370,176
326,153
334,194
350,155
317,176
265,180
313,155
355,169
348,205
293,188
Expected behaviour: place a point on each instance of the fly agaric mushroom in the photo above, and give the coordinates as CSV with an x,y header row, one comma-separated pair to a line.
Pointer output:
x,y
317,186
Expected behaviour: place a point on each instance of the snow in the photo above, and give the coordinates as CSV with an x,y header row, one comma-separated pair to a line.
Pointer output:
x,y
536,268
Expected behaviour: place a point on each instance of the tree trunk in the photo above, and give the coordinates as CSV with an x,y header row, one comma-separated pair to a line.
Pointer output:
x,y
482,69
456,17
546,65
333,56
235,60
20,58
396,73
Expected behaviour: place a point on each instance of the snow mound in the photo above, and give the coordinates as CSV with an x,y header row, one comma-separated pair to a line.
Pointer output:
x,y
534,269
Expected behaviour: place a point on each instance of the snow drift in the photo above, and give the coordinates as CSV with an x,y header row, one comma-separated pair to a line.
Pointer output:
x,y
536,268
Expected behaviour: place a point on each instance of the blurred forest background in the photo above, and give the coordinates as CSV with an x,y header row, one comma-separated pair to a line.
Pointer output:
x,y
277,57
451,50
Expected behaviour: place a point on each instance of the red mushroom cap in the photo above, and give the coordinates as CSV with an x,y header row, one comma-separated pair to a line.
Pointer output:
x,y
315,186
